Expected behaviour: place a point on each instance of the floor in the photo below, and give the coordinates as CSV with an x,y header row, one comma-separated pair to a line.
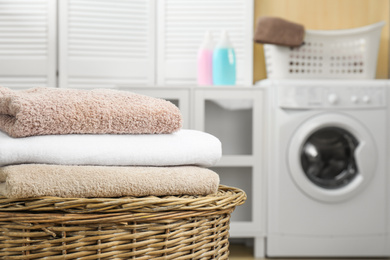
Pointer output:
x,y
241,252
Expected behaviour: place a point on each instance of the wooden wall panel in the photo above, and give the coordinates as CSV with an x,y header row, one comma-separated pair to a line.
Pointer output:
x,y
326,15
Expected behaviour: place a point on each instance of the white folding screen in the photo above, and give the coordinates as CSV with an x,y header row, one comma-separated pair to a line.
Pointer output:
x,y
181,26
105,43
28,43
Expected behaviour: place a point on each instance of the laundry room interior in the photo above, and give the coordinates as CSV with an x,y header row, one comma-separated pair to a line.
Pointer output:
x,y
197,129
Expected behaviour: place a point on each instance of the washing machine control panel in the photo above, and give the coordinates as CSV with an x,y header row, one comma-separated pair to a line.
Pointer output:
x,y
331,96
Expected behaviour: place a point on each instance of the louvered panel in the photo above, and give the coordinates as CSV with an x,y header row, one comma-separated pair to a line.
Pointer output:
x,y
95,82
182,25
23,29
179,82
182,53
23,82
27,43
121,33
113,39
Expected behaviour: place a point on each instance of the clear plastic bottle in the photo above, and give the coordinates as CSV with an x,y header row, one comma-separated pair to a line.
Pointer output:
x,y
205,61
224,62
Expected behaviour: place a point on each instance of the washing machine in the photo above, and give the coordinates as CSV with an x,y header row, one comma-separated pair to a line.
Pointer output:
x,y
327,168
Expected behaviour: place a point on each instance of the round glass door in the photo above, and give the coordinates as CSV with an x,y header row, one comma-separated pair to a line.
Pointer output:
x,y
328,157
331,157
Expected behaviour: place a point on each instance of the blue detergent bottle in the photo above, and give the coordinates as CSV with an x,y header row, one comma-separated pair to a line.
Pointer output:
x,y
224,62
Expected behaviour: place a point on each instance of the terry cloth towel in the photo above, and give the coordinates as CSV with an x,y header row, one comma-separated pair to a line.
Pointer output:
x,y
35,180
273,30
47,111
185,147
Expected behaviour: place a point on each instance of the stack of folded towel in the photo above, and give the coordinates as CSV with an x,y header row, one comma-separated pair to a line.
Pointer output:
x,y
100,143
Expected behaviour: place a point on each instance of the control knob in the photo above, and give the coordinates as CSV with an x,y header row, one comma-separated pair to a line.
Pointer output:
x,y
354,99
333,98
366,99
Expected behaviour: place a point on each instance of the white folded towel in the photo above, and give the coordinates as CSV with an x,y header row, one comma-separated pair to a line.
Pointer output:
x,y
185,147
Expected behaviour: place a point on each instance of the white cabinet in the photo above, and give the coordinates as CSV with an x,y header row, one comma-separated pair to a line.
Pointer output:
x,y
236,115
181,26
105,43
28,45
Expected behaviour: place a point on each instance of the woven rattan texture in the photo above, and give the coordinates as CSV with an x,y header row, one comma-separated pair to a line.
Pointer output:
x,y
227,197
179,227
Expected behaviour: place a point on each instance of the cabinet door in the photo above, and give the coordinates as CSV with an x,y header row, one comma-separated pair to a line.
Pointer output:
x,y
181,28
107,42
27,43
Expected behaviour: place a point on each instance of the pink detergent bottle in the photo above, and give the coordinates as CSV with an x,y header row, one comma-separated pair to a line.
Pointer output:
x,y
205,61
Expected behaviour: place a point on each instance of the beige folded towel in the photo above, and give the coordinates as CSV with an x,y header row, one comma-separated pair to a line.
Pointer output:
x,y
47,111
273,30
35,180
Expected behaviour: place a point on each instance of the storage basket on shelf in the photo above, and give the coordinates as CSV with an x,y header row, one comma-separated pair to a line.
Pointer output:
x,y
335,54
172,227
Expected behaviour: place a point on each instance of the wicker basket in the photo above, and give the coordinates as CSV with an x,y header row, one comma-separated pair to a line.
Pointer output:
x,y
173,227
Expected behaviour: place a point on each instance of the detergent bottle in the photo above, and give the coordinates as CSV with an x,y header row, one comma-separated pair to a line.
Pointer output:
x,y
205,61
224,62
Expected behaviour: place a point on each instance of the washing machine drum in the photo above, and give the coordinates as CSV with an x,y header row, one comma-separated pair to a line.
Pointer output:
x,y
331,157
328,157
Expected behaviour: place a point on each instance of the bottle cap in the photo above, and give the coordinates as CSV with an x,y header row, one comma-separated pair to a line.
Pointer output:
x,y
224,41
207,41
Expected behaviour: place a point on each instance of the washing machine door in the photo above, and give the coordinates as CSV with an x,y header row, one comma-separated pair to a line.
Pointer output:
x,y
332,157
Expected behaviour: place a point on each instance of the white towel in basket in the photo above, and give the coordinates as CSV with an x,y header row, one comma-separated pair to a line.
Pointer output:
x,y
185,147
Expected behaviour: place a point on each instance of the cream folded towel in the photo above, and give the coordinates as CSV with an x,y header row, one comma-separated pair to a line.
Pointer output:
x,y
47,111
185,147
35,180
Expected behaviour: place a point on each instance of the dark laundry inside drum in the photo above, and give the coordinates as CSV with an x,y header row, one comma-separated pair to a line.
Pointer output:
x,y
327,157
